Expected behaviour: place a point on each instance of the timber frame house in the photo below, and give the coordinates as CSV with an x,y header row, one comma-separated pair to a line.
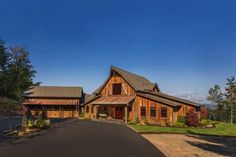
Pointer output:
x,y
53,101
125,95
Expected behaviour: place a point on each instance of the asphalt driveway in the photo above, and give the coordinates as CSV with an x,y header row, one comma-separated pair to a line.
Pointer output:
x,y
8,123
84,138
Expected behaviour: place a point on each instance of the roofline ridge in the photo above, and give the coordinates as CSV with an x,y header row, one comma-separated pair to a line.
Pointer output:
x,y
130,73
59,86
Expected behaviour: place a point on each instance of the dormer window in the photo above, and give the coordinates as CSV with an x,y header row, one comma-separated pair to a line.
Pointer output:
x,y
116,89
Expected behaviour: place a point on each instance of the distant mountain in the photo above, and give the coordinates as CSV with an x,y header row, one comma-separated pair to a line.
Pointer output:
x,y
195,97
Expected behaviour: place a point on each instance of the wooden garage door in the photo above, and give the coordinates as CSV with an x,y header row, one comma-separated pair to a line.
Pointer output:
x,y
53,114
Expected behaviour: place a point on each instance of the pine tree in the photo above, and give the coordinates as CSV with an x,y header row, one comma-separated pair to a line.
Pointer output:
x,y
216,97
4,63
21,72
230,96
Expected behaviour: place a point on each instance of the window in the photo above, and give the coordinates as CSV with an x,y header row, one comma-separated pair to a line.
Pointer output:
x,y
143,111
163,112
116,89
153,111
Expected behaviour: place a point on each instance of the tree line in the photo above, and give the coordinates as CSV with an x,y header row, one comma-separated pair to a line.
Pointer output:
x,y
16,71
225,100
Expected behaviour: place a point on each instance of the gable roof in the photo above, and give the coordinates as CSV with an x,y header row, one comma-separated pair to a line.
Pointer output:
x,y
144,88
138,83
174,101
54,92
114,100
159,99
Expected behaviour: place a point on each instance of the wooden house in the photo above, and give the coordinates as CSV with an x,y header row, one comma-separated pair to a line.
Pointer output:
x,y
53,101
125,95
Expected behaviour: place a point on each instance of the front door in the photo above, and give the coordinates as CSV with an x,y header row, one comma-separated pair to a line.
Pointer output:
x,y
119,113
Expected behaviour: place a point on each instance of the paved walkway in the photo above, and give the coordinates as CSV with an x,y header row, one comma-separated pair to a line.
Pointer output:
x,y
84,138
178,145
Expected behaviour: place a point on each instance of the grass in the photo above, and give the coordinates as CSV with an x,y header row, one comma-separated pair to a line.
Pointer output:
x,y
221,129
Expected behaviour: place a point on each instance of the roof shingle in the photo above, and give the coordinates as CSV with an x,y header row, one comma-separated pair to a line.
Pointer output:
x,y
139,83
54,92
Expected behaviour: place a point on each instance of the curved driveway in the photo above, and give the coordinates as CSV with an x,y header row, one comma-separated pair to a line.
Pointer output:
x,y
86,139
8,123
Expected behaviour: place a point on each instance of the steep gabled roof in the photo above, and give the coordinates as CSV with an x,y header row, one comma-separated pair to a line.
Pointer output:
x,y
138,83
145,88
54,92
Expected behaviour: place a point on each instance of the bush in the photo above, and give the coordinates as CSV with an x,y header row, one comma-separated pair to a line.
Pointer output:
x,y
41,123
192,118
81,115
181,119
206,122
87,116
179,124
145,121
29,123
135,120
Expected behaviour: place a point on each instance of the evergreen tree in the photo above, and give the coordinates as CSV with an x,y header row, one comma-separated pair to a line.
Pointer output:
x,y
4,63
230,97
216,97
226,102
21,72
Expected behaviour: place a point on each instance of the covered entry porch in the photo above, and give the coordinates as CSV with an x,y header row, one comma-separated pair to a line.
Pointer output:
x,y
113,107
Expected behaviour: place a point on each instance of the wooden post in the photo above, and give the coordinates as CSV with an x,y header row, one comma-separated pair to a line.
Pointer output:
x,y
60,114
126,114
95,111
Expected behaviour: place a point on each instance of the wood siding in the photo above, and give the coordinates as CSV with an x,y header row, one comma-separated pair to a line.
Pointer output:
x,y
172,113
126,89
56,107
134,109
143,102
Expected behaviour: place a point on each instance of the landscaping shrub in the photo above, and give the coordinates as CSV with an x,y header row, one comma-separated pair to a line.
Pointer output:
x,y
181,119
191,118
87,117
179,124
145,121
135,120
81,115
41,123
29,123
207,123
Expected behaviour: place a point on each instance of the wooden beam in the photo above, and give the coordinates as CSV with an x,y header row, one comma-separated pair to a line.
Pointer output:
x,y
126,114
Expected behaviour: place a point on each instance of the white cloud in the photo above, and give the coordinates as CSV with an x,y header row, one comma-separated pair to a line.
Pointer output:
x,y
192,96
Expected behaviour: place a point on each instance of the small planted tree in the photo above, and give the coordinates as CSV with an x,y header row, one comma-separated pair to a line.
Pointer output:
x,y
192,118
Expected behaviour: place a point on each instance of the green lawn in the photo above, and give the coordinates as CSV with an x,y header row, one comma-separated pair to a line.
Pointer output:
x,y
221,129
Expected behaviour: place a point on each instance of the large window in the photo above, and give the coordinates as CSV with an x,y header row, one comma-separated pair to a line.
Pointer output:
x,y
164,112
143,111
153,111
116,89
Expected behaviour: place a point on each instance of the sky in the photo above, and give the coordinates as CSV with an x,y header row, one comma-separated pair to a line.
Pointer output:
x,y
184,46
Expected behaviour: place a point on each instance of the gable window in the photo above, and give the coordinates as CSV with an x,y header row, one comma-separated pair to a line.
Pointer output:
x,y
164,112
153,111
143,111
116,89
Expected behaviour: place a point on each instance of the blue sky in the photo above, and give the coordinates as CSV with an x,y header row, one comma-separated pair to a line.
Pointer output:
x,y
184,46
